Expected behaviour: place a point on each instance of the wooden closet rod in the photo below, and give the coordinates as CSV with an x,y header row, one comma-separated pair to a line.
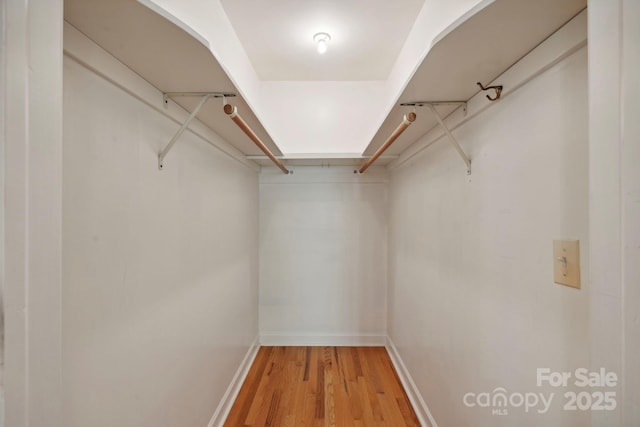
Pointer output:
x,y
406,121
232,112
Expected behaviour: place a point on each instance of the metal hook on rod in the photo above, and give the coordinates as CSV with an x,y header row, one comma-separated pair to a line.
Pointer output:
x,y
498,90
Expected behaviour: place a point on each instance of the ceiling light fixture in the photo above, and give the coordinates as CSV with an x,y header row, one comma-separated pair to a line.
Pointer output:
x,y
322,39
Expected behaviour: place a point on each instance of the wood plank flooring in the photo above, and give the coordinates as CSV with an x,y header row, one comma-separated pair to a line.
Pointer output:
x,y
322,386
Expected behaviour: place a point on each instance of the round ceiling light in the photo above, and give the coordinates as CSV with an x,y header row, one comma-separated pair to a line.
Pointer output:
x,y
322,39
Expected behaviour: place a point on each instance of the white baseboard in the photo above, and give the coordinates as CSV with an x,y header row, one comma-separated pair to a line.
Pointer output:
x,y
281,339
419,405
222,411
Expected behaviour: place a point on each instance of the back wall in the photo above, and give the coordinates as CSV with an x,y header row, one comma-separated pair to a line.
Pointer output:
x,y
323,257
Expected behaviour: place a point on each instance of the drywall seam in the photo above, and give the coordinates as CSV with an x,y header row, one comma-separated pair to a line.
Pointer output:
x,y
285,339
419,405
563,43
85,52
225,405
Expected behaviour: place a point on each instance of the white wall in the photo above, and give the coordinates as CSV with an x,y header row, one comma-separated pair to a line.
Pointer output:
x,y
630,191
472,303
323,249
614,223
32,219
160,268
605,197
338,120
2,129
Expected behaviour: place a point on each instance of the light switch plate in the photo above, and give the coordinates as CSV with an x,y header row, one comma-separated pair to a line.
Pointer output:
x,y
566,262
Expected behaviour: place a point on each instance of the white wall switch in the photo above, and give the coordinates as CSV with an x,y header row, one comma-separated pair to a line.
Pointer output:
x,y
566,262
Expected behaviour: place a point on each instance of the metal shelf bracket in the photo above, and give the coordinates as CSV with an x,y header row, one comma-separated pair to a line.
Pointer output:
x,y
452,140
204,98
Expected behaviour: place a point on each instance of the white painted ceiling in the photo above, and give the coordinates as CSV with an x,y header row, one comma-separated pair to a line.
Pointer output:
x,y
366,36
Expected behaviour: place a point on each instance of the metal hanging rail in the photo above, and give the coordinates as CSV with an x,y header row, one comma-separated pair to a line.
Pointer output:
x,y
406,122
205,97
452,140
232,112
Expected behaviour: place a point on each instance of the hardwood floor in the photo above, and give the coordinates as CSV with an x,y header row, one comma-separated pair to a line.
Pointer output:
x,y
322,386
